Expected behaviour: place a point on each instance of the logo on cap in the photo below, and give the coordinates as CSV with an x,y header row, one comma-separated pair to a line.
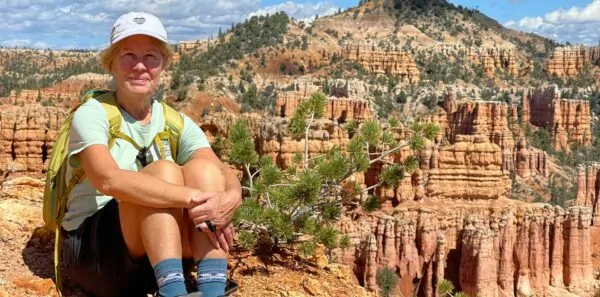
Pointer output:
x,y
139,20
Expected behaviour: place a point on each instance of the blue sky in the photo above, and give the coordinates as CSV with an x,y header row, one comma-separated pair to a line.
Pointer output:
x,y
64,24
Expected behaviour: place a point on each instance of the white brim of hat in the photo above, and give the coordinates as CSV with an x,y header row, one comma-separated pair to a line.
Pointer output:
x,y
139,31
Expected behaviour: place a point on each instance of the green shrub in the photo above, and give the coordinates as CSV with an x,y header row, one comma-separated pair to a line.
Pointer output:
x,y
386,280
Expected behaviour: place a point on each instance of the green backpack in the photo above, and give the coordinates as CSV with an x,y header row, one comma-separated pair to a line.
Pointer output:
x,y
57,189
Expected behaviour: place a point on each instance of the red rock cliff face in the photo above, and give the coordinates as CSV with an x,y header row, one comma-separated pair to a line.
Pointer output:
x,y
65,94
570,61
377,60
489,57
27,135
490,120
337,109
588,189
509,250
568,121
471,168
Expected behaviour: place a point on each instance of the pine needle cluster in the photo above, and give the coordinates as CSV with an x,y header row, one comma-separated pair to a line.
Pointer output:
x,y
446,289
300,205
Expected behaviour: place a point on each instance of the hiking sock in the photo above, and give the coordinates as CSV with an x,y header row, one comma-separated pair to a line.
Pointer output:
x,y
169,278
212,276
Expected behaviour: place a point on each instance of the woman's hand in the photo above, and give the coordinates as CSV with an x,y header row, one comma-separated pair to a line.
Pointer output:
x,y
221,238
215,207
218,209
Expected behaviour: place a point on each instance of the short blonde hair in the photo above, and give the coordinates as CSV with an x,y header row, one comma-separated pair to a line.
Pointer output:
x,y
108,55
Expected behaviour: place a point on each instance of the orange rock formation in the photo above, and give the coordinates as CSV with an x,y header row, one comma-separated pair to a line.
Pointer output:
x,y
531,161
471,168
588,189
379,61
26,138
516,249
337,109
570,61
489,57
568,121
490,120
65,93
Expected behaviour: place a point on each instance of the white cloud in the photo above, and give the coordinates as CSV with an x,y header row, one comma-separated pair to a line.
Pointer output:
x,y
19,43
300,11
60,23
575,24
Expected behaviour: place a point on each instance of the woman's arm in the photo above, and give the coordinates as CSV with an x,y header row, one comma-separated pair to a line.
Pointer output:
x,y
130,186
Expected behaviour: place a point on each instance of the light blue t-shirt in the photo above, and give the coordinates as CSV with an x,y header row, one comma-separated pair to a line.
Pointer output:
x,y
90,126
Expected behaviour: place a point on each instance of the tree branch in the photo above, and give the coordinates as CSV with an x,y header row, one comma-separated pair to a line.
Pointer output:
x,y
372,187
384,154
269,200
250,177
312,116
256,172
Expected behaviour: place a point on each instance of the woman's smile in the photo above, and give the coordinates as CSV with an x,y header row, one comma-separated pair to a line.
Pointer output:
x,y
138,81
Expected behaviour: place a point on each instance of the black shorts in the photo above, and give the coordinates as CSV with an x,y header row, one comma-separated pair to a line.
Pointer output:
x,y
95,257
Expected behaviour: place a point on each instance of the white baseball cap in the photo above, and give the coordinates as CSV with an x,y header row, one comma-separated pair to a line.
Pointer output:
x,y
133,23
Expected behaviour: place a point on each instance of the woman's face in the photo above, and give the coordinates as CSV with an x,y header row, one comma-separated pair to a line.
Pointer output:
x,y
137,65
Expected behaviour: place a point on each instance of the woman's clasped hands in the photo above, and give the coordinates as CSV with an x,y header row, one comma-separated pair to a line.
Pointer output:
x,y
212,213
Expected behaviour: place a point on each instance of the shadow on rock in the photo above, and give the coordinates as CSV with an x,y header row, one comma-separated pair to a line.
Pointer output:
x,y
38,253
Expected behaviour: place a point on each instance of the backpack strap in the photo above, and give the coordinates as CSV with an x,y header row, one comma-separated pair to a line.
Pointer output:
x,y
172,131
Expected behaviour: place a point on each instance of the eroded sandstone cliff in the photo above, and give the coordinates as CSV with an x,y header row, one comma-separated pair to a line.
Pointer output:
x,y
64,94
490,119
336,109
507,249
571,60
491,58
377,60
567,121
588,189
471,168
27,135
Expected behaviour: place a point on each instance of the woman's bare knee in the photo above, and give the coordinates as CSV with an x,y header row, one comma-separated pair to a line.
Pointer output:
x,y
203,175
166,170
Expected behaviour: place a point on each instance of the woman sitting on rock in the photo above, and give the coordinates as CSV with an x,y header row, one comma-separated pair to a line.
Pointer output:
x,y
136,215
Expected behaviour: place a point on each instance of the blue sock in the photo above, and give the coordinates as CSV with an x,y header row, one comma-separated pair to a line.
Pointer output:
x,y
212,276
169,278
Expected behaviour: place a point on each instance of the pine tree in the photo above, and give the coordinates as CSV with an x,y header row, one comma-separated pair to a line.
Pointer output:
x,y
308,197
386,280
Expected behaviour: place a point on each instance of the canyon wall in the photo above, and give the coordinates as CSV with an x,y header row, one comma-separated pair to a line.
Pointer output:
x,y
490,119
64,94
568,62
377,60
567,121
27,135
470,168
509,249
491,58
336,109
588,189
